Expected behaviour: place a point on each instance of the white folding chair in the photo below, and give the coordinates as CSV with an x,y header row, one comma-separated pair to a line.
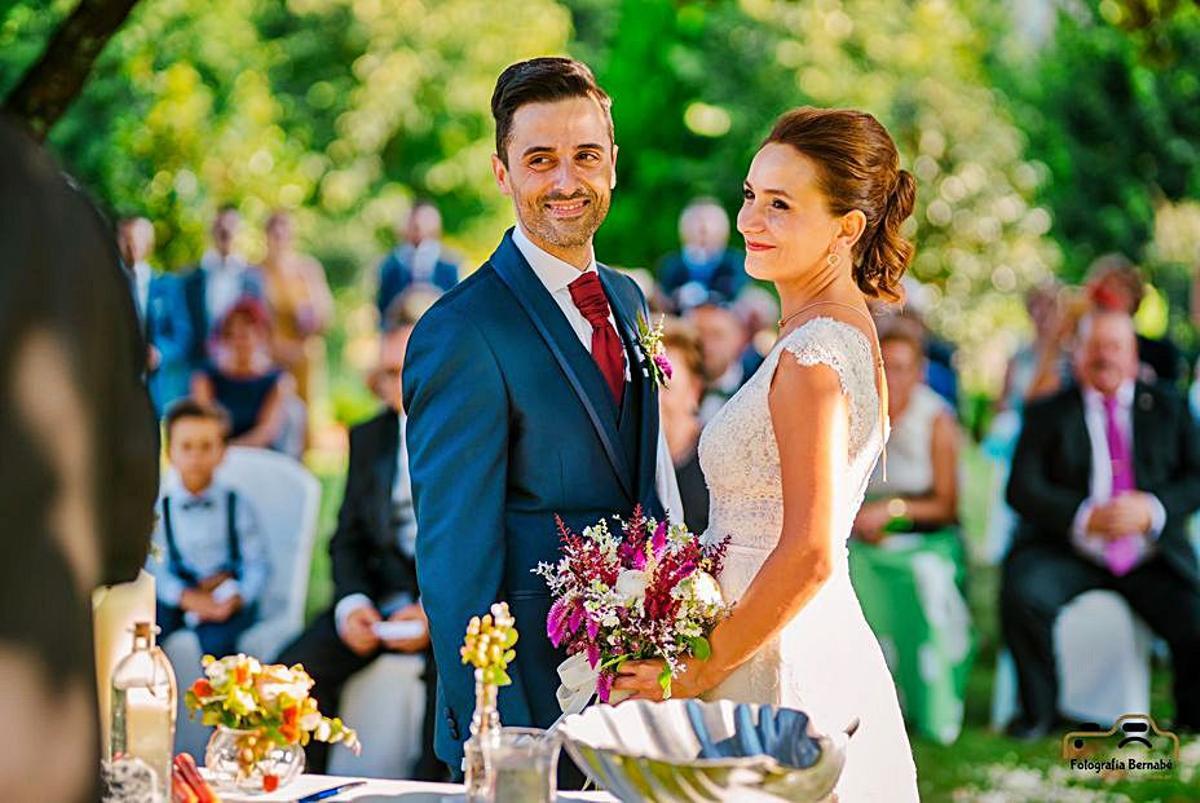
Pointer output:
x,y
385,703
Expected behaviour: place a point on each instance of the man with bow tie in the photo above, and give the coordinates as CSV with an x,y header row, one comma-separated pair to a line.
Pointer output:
x,y
211,563
1105,478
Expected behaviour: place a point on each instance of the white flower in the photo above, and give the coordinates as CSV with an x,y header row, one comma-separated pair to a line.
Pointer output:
x,y
702,589
631,585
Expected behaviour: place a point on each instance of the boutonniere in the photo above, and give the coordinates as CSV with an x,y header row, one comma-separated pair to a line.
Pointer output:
x,y
650,339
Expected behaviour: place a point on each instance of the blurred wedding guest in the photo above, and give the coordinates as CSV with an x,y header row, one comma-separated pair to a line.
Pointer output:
x,y
243,379
1115,284
1046,356
212,562
300,305
372,550
419,259
1105,478
78,467
162,315
907,562
1037,369
680,402
729,359
220,280
704,264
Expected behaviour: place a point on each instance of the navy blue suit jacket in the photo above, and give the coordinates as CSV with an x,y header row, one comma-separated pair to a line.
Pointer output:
x,y
395,276
167,326
510,422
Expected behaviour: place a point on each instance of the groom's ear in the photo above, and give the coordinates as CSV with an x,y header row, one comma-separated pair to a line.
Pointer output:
x,y
501,172
612,184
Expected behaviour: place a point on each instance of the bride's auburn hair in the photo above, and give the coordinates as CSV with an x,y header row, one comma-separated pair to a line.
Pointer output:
x,y
858,167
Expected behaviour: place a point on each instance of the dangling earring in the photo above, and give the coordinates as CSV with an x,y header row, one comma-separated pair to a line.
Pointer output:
x,y
833,259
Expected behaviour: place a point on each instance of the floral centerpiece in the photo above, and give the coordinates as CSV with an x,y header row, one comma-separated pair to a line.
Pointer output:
x,y
488,646
647,590
264,715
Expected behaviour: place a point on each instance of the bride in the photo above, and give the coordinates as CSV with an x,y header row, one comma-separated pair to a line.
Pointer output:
x,y
788,458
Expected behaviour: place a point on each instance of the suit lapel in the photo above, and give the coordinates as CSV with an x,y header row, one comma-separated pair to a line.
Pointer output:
x,y
1078,439
577,365
385,471
640,382
1142,417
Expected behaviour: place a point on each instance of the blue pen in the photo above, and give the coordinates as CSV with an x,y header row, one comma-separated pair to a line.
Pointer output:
x,y
337,790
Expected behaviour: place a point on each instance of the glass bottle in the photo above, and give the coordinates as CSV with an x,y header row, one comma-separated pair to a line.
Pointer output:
x,y
485,737
143,709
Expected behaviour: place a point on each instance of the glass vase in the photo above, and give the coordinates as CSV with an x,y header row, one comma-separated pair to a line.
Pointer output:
x,y
485,737
244,761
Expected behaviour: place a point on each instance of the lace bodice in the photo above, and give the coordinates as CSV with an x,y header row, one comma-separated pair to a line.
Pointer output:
x,y
825,660
739,454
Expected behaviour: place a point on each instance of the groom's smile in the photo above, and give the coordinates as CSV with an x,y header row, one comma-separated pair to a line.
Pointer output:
x,y
560,168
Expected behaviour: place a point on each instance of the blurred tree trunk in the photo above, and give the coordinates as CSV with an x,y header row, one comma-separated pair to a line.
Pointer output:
x,y
53,81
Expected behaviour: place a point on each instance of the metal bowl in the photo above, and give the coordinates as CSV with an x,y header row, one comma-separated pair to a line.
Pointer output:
x,y
687,750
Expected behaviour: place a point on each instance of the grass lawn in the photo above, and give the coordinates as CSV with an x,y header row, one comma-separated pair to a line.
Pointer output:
x,y
982,765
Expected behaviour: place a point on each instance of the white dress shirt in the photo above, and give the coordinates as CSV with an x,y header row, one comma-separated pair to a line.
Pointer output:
x,y
223,285
1100,485
557,275
141,276
406,536
200,526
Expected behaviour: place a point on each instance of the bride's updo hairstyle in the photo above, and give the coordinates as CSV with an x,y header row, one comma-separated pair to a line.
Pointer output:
x,y
858,167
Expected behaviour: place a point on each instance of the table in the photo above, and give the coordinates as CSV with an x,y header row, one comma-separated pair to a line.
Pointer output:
x,y
379,790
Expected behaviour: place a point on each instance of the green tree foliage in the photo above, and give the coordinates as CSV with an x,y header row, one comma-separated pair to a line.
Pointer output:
x,y
1118,131
343,110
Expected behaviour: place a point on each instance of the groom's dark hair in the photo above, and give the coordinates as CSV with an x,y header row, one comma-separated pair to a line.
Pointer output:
x,y
542,80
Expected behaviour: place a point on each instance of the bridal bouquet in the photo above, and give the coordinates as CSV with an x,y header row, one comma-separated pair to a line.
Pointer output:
x,y
647,591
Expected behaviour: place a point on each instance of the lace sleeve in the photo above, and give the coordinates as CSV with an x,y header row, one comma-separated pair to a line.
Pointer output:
x,y
825,341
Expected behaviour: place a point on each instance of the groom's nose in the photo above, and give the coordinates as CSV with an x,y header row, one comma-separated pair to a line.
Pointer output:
x,y
565,178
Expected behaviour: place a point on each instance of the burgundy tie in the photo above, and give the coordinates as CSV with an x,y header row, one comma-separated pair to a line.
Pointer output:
x,y
588,295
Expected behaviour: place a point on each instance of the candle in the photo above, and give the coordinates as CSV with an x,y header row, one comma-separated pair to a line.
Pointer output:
x,y
149,728
114,611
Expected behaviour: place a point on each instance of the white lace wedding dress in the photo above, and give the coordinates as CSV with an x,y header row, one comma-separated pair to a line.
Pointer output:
x,y
826,661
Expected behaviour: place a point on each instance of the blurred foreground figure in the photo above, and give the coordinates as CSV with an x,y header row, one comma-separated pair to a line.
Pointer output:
x,y
78,468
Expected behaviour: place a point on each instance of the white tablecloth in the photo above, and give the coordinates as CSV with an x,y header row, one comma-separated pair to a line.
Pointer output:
x,y
380,790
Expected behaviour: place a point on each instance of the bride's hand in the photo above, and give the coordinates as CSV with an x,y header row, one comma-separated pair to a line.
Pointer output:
x,y
641,678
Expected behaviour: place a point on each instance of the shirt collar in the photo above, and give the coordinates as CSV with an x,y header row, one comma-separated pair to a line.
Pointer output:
x,y
554,273
142,271
1124,395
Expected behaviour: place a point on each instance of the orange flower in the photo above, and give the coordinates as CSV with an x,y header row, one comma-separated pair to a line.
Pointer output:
x,y
202,688
289,732
241,674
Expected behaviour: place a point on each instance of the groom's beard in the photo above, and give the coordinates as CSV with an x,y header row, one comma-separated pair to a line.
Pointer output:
x,y
570,233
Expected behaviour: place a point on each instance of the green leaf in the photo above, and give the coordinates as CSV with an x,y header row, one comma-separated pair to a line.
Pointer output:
x,y
700,648
664,681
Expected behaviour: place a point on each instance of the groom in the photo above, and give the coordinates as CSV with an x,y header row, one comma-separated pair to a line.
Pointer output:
x,y
526,395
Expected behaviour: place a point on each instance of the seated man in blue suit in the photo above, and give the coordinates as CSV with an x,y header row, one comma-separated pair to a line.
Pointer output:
x,y
527,397
420,260
162,315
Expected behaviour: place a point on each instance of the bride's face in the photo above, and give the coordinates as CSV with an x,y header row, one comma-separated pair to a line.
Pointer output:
x,y
785,218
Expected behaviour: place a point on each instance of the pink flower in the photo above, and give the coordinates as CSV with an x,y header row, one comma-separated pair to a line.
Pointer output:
x,y
604,686
664,365
556,625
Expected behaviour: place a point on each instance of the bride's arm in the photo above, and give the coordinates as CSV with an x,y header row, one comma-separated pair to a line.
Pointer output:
x,y
809,415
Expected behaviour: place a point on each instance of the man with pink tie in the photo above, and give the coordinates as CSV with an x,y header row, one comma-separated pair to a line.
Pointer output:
x,y
1104,478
